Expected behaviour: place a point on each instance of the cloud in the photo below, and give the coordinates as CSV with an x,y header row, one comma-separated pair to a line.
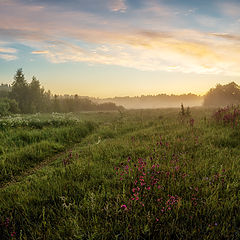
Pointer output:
x,y
207,21
7,57
7,50
227,36
7,53
40,52
117,5
231,9
162,53
76,36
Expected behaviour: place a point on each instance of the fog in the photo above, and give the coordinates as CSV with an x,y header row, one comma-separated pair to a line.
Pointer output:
x,y
158,101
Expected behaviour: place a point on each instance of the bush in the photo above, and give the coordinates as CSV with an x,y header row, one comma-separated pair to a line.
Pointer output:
x,y
8,106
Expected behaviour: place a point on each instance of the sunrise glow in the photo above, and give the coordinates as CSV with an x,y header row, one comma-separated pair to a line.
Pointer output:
x,y
121,47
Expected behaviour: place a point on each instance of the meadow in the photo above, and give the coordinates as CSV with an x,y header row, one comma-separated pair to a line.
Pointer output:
x,y
134,174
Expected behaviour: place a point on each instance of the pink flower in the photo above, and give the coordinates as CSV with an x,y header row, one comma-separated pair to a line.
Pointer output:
x,y
124,207
177,168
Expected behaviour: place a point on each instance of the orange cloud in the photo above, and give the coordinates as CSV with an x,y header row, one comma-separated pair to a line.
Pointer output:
x,y
39,52
7,57
7,53
7,50
173,50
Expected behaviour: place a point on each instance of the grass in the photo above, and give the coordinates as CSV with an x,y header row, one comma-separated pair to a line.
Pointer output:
x,y
27,142
152,175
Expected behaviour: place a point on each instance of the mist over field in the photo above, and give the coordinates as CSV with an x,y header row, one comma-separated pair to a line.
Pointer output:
x,y
22,96
157,101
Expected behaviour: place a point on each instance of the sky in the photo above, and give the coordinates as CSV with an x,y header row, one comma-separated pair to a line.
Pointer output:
x,y
107,48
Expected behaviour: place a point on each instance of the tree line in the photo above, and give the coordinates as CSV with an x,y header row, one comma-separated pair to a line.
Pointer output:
x,y
222,95
24,97
155,101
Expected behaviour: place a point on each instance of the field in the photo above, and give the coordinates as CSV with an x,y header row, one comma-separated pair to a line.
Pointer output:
x,y
139,174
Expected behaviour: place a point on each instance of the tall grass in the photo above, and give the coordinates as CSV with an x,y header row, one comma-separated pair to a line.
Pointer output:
x,y
149,177
23,146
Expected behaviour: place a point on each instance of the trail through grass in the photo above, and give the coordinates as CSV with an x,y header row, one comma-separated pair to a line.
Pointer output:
x,y
150,175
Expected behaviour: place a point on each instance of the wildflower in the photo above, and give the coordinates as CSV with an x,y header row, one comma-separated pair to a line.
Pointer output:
x,y
177,168
124,207
191,122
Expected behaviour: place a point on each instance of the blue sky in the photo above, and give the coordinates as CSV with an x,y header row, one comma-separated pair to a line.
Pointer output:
x,y
121,47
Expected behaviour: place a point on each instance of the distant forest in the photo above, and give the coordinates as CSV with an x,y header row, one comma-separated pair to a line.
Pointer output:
x,y
154,101
219,96
24,97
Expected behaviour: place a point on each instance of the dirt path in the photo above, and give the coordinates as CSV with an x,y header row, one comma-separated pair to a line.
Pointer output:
x,y
44,163
34,169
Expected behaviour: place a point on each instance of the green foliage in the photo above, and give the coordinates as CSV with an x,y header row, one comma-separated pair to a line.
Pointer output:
x,y
8,106
27,142
151,179
4,108
32,98
222,95
36,96
5,89
20,91
77,104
